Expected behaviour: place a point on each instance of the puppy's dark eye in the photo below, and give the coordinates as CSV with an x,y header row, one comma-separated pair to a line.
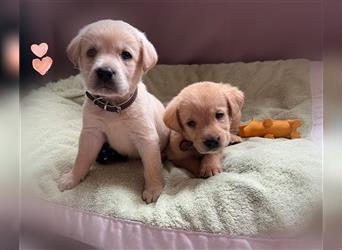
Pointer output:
x,y
125,55
191,124
219,115
91,52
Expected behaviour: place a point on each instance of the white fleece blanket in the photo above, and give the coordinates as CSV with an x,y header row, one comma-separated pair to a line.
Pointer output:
x,y
267,185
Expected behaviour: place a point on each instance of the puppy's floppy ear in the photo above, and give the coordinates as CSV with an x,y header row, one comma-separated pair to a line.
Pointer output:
x,y
73,50
149,53
171,116
235,100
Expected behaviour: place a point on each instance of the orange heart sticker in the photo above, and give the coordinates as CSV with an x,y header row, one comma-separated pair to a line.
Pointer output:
x,y
39,50
42,66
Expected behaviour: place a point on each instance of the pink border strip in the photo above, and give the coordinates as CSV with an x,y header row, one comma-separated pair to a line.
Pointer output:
x,y
105,232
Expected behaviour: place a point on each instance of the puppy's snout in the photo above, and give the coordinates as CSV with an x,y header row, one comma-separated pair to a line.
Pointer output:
x,y
105,74
212,143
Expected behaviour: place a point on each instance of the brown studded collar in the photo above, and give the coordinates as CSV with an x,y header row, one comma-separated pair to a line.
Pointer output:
x,y
185,145
105,105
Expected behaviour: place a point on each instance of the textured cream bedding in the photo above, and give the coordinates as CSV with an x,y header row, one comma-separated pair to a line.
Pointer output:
x,y
267,185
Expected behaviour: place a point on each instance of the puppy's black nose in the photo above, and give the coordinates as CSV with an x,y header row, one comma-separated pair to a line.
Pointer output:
x,y
105,74
212,143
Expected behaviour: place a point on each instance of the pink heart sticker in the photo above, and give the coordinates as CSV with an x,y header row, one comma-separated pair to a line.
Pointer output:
x,y
42,66
39,50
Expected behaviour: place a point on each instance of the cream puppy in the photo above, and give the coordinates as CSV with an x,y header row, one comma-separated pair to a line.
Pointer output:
x,y
112,57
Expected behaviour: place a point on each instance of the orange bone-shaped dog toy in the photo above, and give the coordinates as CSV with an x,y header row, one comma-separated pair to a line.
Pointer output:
x,y
270,128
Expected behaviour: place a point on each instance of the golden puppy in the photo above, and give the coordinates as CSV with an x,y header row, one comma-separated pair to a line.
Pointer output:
x,y
112,57
202,118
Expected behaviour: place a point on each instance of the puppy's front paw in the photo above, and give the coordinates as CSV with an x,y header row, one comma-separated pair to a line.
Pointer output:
x,y
68,181
152,194
235,139
209,170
